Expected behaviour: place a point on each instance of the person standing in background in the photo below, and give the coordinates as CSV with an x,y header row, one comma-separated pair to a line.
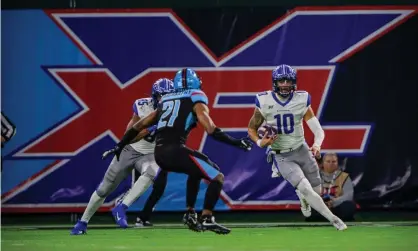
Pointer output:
x,y
337,189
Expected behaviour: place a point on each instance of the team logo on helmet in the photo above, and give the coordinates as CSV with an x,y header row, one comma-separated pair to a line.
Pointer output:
x,y
161,87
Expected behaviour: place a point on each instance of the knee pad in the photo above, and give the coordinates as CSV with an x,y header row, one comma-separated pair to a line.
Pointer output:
x,y
105,188
101,192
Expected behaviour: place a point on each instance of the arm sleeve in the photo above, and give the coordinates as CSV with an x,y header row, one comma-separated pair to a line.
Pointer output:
x,y
317,130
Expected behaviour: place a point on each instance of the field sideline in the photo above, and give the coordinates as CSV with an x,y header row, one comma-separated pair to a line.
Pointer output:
x,y
367,236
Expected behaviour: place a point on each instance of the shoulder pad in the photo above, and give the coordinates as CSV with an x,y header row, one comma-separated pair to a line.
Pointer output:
x,y
305,96
139,105
262,93
198,96
259,97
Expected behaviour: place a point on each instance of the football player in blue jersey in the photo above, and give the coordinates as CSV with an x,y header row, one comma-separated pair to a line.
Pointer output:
x,y
177,114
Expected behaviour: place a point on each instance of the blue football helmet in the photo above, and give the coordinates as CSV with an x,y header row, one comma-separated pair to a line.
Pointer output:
x,y
187,79
281,74
161,87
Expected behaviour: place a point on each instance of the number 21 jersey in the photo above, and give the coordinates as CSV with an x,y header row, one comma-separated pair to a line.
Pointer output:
x,y
176,117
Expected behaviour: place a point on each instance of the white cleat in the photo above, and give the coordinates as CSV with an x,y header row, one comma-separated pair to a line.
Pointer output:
x,y
339,224
304,206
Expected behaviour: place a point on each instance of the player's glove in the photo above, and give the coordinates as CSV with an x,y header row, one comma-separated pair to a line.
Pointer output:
x,y
116,150
245,143
126,139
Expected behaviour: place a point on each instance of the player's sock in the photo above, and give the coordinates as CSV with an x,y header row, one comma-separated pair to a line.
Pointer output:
x,y
212,194
95,202
193,185
156,194
141,185
315,200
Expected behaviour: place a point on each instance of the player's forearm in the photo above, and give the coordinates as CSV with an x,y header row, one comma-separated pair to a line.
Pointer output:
x,y
206,122
315,127
221,136
253,134
131,123
255,122
133,132
141,135
128,137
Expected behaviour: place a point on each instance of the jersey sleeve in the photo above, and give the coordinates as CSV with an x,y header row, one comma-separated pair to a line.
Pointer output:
x,y
199,97
139,107
306,100
259,101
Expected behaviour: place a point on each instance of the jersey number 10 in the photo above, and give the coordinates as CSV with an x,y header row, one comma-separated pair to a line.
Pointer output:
x,y
171,111
285,121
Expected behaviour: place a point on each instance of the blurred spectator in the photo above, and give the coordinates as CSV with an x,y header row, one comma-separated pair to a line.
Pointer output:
x,y
337,189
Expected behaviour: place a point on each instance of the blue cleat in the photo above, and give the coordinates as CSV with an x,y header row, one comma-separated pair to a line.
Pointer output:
x,y
119,215
79,228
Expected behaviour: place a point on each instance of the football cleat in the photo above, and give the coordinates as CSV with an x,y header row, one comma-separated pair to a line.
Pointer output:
x,y
190,219
79,228
142,223
339,224
209,223
119,215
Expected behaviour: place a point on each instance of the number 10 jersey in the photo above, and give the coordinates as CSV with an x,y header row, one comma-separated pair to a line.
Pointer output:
x,y
286,116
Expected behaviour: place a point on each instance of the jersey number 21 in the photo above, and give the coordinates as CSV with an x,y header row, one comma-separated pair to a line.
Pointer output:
x,y
170,113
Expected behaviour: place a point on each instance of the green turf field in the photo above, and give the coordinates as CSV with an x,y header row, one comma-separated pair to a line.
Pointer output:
x,y
263,237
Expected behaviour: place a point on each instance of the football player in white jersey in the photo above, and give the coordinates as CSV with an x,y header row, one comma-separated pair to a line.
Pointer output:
x,y
138,155
285,109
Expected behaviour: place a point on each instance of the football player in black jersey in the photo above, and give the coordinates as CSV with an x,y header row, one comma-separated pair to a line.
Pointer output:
x,y
177,114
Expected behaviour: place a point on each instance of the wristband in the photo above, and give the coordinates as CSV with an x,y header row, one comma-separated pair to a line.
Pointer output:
x,y
259,143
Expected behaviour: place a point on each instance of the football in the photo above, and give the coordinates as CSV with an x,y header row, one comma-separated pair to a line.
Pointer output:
x,y
271,131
